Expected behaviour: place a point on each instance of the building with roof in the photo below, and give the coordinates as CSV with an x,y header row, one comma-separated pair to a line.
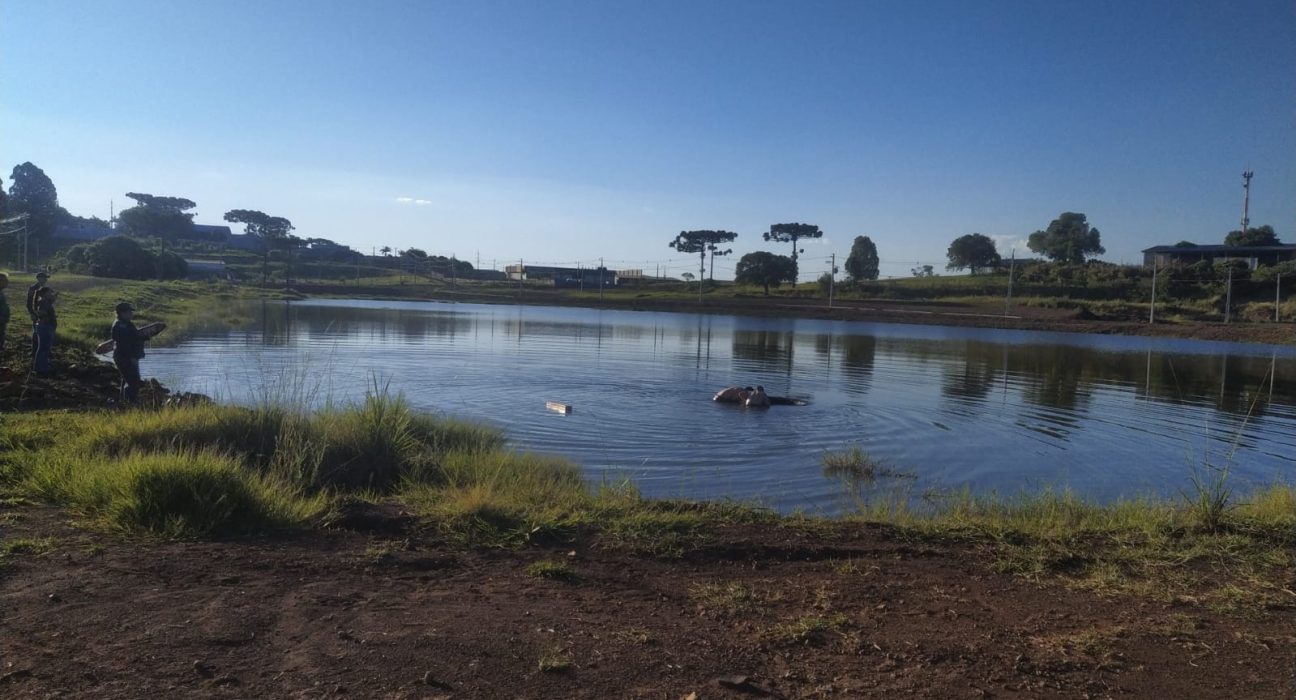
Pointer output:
x,y
1188,254
83,231
563,276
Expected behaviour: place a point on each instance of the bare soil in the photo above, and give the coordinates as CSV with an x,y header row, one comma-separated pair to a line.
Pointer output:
x,y
376,607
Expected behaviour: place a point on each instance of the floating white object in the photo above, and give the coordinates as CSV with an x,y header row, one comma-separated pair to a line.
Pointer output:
x,y
558,407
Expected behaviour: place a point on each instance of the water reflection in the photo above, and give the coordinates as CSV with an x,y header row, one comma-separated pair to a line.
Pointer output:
x,y
857,355
768,350
957,407
966,384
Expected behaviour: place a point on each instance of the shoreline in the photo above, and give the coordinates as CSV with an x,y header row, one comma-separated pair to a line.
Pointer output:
x,y
935,313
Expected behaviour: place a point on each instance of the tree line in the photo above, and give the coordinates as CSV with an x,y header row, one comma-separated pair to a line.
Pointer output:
x,y
1068,240
161,218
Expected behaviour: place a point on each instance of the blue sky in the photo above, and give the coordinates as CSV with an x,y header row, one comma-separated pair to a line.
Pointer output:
x,y
563,132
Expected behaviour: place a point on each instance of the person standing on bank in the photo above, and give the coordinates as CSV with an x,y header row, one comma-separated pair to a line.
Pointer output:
x,y
128,351
41,278
46,322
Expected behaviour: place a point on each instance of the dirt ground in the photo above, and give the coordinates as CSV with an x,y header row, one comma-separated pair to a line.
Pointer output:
x,y
374,607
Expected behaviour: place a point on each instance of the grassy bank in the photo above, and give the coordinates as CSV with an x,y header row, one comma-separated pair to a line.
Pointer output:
x,y
212,470
85,306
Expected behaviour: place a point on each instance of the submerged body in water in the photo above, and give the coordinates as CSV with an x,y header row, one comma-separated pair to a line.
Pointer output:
x,y
754,397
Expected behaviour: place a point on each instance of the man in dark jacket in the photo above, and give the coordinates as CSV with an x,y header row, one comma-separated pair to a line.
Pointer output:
x,y
41,278
127,352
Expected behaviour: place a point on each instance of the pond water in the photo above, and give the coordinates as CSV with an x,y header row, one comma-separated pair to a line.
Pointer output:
x,y
945,409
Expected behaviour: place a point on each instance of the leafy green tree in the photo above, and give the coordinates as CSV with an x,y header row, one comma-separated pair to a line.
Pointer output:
x,y
862,263
702,242
783,233
765,269
1068,239
922,271
974,251
123,257
1263,235
170,265
273,231
449,266
31,192
154,216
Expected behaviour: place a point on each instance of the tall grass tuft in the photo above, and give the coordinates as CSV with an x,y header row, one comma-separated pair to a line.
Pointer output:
x,y
1211,499
207,469
368,446
176,494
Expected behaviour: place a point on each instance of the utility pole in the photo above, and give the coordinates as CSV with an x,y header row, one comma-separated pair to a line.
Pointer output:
x,y
1246,199
1012,264
1152,311
832,278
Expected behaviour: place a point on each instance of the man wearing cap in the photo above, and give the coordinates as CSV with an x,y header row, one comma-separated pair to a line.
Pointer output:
x,y
41,278
127,352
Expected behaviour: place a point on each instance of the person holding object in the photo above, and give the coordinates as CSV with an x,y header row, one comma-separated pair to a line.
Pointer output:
x,y
127,351
46,322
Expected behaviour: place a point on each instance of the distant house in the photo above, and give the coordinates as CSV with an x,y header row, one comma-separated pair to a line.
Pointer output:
x,y
208,232
202,269
83,231
243,241
563,276
1253,256
491,275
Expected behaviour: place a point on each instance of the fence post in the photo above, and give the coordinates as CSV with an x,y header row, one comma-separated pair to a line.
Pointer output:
x,y
1277,294
1228,296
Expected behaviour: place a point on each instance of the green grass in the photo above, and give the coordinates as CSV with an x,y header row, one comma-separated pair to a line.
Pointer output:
x,y
555,660
812,630
85,306
210,469
554,570
1159,549
30,546
723,599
